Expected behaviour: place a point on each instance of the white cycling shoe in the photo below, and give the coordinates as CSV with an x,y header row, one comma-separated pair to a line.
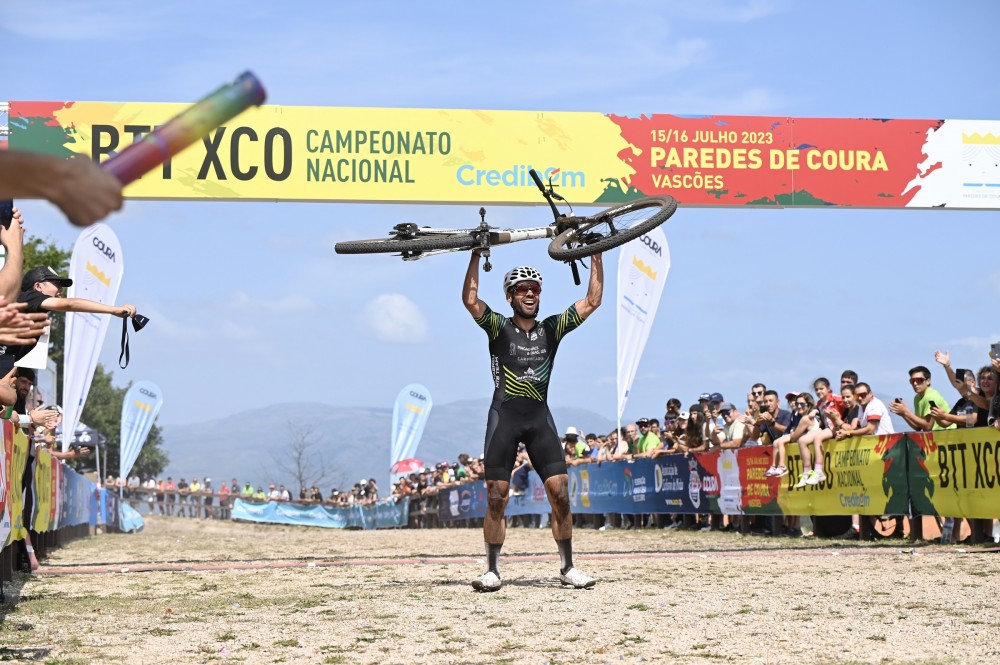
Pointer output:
x,y
576,578
489,581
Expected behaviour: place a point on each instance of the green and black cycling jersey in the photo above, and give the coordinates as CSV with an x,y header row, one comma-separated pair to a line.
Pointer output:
x,y
522,360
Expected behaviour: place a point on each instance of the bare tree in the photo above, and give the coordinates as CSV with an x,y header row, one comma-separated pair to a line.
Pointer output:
x,y
299,458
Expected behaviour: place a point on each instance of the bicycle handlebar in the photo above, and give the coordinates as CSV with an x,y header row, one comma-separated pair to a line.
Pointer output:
x,y
546,192
538,181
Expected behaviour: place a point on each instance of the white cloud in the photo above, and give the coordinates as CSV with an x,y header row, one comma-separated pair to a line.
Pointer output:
x,y
394,319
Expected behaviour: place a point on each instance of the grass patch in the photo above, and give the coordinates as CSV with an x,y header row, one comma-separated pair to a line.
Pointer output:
x,y
287,643
161,632
630,640
641,607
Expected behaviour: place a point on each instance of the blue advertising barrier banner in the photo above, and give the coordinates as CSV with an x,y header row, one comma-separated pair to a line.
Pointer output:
x,y
383,515
75,494
104,509
671,484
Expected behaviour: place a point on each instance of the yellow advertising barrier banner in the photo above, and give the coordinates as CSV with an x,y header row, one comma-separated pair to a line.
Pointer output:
x,y
16,457
864,476
308,153
44,490
956,473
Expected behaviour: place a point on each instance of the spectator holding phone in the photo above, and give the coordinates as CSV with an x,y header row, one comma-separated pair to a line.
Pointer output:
x,y
924,399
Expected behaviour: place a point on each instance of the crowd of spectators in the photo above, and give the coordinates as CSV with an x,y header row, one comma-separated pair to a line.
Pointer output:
x,y
200,499
806,420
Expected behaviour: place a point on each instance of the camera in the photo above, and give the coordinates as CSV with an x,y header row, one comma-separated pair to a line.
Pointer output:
x,y
995,350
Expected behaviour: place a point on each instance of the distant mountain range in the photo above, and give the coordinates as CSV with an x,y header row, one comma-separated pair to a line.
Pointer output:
x,y
354,441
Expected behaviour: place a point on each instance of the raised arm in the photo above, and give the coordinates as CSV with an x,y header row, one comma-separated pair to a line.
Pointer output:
x,y
82,190
470,289
12,239
595,288
944,358
84,305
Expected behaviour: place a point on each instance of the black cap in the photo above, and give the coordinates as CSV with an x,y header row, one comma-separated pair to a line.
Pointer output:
x,y
43,274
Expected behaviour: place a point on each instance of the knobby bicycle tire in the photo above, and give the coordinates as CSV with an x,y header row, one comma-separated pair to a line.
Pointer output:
x,y
599,233
421,244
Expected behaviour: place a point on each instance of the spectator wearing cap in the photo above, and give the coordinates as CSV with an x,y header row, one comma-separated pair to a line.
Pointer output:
x,y
41,289
693,440
715,402
704,400
649,440
732,434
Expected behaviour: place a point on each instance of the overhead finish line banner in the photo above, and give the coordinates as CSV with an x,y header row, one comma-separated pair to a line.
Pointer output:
x,y
303,153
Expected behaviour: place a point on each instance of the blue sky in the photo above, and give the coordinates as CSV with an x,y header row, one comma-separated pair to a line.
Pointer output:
x,y
250,306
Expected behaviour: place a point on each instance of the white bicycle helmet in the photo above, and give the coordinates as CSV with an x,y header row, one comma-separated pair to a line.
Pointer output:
x,y
520,274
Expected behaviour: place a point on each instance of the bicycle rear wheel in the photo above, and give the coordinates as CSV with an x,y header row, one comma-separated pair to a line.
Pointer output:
x,y
407,244
611,228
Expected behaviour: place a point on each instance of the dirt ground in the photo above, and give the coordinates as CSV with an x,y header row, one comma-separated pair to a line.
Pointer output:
x,y
192,591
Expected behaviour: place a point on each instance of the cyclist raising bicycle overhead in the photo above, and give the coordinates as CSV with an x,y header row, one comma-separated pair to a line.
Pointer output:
x,y
522,351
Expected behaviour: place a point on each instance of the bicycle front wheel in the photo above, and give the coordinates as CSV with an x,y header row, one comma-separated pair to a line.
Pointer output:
x,y
407,245
611,228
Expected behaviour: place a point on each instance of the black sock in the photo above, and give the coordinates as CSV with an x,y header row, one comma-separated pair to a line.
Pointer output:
x,y
493,558
565,554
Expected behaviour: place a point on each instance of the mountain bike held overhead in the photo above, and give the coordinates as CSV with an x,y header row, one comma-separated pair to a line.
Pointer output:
x,y
571,237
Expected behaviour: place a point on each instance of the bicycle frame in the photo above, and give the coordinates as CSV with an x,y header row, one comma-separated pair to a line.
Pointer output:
x,y
493,237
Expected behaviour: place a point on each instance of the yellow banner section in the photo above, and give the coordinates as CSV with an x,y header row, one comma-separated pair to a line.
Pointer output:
x,y
364,154
16,455
44,492
956,473
864,476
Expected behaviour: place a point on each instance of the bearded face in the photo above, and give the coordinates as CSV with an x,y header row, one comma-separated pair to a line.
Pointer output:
x,y
523,299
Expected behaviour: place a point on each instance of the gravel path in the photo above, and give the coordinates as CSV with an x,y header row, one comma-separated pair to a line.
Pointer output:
x,y
200,591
